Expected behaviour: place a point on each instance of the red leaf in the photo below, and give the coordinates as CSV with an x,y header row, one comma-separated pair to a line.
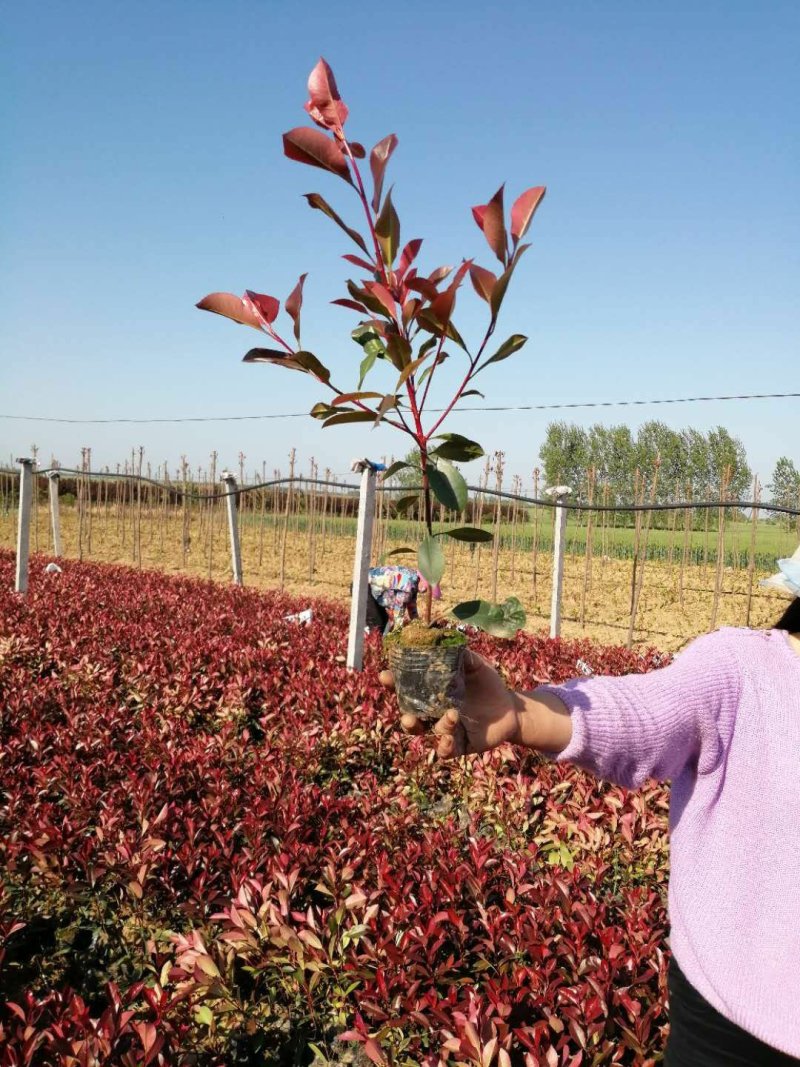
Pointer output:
x,y
231,307
408,255
351,304
325,106
490,219
378,158
439,274
524,209
358,150
293,304
360,263
424,286
317,150
373,1050
381,293
267,355
483,281
320,204
265,306
443,305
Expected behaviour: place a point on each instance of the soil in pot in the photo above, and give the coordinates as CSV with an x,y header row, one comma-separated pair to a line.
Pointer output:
x,y
428,667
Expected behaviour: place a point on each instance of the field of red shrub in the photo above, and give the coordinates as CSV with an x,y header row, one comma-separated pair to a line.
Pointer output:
x,y
216,847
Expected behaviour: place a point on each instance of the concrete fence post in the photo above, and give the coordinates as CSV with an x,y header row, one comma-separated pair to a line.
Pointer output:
x,y
24,523
229,481
55,514
559,493
358,603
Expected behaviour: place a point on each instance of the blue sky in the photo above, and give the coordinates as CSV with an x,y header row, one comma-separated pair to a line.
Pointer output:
x,y
143,168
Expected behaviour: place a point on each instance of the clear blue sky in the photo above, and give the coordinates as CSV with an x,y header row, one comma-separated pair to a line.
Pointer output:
x,y
142,168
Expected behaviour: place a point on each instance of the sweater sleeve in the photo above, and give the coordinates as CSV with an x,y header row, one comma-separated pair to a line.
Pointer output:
x,y
655,725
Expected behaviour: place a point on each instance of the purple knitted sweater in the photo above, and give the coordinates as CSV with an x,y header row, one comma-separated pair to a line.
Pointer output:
x,y
723,723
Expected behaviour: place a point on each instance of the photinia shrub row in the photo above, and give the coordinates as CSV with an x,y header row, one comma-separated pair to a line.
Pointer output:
x,y
217,848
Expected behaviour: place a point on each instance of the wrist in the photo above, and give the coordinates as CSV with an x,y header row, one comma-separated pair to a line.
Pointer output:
x,y
524,720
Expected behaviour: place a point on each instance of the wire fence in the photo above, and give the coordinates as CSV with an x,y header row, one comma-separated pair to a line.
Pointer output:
x,y
636,572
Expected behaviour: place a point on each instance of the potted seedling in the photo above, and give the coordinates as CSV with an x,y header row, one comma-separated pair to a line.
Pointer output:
x,y
406,330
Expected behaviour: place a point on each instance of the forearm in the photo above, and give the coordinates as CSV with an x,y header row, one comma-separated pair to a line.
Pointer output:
x,y
543,721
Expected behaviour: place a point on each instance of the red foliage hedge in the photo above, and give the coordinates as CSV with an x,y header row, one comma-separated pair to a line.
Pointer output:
x,y
217,848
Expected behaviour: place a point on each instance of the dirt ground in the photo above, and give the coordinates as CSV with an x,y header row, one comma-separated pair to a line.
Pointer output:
x,y
320,565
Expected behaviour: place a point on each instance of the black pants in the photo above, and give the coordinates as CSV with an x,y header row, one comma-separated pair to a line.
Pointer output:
x,y
701,1037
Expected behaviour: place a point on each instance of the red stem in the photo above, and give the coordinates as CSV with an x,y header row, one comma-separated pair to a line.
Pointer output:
x,y
412,397
465,382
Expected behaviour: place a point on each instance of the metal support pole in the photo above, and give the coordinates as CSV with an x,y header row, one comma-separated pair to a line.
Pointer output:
x,y
233,525
55,514
24,523
358,604
559,494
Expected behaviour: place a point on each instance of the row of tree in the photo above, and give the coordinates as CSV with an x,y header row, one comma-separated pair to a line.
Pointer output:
x,y
688,462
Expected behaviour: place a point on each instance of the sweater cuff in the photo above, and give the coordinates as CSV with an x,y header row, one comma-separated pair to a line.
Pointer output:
x,y
572,701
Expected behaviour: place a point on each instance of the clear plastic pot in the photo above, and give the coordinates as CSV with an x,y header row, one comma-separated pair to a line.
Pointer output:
x,y
428,681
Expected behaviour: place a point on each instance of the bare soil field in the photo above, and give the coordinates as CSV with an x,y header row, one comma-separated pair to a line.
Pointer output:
x,y
317,562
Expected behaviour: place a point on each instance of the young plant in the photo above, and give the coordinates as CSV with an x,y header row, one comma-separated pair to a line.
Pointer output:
x,y
406,323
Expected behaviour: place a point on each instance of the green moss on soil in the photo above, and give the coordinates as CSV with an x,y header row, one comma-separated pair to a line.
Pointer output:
x,y
418,635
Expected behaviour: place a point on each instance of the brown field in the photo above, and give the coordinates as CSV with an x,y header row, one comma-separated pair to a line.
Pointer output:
x,y
320,564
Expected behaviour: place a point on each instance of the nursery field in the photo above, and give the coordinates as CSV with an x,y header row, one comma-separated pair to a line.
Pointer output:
x,y
677,599
216,847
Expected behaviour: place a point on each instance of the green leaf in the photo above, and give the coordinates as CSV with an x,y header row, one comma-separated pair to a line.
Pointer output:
x,y
468,533
398,465
349,416
448,486
367,364
506,349
457,448
369,339
347,398
204,1016
499,620
399,552
399,351
473,392
309,362
430,560
316,201
322,411
405,502
387,230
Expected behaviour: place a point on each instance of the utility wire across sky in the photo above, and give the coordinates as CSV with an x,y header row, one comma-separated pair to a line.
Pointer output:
x,y
472,408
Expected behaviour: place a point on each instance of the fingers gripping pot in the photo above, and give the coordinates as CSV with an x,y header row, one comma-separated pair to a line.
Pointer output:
x,y
428,668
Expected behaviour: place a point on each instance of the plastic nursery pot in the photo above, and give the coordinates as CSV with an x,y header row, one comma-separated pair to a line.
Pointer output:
x,y
428,680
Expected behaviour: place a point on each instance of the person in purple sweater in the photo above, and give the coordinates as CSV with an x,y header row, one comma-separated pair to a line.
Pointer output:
x,y
722,722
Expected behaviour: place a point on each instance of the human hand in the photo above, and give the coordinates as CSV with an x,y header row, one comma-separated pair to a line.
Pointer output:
x,y
489,717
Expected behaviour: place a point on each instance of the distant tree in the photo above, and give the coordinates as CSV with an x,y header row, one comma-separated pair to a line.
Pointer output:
x,y
406,478
727,451
785,486
565,455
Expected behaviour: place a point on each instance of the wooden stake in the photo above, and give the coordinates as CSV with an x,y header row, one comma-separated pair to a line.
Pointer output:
x,y
639,580
286,515
751,560
726,476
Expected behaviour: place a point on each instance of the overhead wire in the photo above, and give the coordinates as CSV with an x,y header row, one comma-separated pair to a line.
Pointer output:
x,y
472,408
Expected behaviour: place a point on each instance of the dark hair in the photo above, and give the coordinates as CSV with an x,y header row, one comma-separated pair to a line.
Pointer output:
x,y
790,620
